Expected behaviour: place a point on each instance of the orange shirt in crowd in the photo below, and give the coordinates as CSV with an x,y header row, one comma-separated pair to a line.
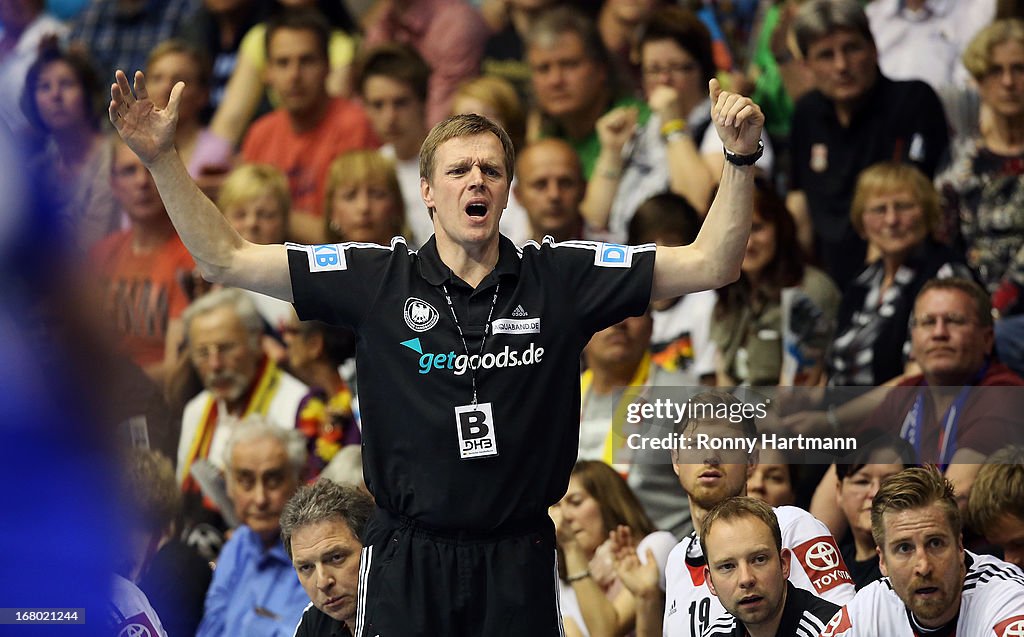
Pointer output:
x,y
142,292
305,157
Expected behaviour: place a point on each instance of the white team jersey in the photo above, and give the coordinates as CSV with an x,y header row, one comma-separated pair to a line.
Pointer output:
x,y
816,566
992,605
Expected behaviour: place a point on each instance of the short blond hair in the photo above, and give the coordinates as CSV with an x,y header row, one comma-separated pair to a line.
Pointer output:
x,y
977,56
182,47
914,488
468,125
500,95
741,507
888,177
998,490
250,181
149,488
357,167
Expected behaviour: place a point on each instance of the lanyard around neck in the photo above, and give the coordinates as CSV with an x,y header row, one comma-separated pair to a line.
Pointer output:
x,y
483,341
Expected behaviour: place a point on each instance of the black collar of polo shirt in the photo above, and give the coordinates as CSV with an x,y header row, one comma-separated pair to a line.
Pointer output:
x,y
435,272
792,612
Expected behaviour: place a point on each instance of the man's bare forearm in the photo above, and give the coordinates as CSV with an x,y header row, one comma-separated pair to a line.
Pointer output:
x,y
203,229
714,258
727,226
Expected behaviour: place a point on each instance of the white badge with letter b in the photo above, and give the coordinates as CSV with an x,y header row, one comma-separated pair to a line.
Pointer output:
x,y
475,425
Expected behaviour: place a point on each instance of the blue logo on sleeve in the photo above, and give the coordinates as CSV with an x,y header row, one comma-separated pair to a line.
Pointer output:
x,y
613,255
326,258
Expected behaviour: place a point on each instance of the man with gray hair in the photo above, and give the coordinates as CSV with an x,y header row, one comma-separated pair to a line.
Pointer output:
x,y
224,330
573,80
322,528
854,117
253,592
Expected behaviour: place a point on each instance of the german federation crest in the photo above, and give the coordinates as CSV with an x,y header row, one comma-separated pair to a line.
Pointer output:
x,y
420,316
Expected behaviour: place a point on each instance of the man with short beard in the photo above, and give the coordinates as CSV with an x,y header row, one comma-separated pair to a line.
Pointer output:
x,y
224,331
932,585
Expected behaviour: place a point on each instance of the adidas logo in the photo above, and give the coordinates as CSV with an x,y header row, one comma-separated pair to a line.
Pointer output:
x,y
519,312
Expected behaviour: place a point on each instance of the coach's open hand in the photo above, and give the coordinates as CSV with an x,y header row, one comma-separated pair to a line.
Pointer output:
x,y
148,130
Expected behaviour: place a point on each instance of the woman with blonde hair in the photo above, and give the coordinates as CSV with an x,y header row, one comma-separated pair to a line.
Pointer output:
x,y
983,187
896,210
598,503
255,200
170,62
363,201
495,99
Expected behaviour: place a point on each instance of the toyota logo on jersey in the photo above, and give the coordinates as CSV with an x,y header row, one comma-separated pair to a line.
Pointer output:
x,y
822,562
1012,627
822,557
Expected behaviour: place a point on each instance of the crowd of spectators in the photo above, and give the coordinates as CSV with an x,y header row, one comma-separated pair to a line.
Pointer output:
x,y
886,251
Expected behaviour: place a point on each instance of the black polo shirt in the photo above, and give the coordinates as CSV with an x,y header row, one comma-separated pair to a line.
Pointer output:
x,y
898,121
316,623
804,615
413,371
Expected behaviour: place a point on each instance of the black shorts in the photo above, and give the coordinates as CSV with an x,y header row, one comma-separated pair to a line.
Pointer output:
x,y
418,581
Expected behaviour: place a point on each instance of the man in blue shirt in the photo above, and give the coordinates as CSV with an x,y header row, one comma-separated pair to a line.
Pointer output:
x,y
254,590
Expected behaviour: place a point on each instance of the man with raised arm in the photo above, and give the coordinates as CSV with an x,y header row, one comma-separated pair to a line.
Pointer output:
x,y
468,357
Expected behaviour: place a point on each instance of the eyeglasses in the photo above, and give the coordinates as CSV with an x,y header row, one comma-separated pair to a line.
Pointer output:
x,y
929,321
670,69
203,353
900,207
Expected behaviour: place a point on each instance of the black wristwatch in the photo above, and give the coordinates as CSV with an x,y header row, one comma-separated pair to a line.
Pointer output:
x,y
744,160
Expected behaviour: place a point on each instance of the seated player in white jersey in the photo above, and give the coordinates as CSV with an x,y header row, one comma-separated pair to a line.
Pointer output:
x,y
932,586
708,477
748,571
